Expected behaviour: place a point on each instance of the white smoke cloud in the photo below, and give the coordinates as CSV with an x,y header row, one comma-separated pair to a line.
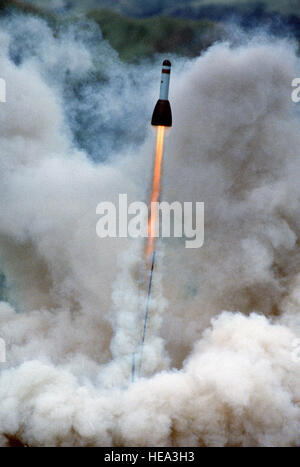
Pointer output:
x,y
75,303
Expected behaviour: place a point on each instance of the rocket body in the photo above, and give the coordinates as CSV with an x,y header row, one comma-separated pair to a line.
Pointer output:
x,y
162,115
165,81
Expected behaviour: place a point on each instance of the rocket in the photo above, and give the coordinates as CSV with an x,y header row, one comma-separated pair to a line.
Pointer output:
x,y
162,115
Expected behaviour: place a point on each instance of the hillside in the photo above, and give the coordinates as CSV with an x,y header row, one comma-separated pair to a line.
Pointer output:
x,y
139,8
141,29
135,38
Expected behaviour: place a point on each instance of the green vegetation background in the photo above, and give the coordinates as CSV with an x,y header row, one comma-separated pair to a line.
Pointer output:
x,y
141,28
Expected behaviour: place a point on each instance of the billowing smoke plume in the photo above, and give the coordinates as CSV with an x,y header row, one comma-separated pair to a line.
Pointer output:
x,y
72,134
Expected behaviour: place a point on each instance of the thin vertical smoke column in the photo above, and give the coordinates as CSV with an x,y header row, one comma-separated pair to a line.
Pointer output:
x,y
146,314
162,118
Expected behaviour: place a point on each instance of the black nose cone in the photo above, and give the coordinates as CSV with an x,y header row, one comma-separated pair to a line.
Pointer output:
x,y
166,63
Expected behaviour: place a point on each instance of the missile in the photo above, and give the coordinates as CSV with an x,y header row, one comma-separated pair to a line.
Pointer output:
x,y
162,115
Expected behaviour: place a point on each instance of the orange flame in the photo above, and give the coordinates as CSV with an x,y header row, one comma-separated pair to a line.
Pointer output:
x,y
152,221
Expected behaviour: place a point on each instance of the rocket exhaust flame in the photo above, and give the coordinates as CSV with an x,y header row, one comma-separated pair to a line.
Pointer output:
x,y
152,233
156,186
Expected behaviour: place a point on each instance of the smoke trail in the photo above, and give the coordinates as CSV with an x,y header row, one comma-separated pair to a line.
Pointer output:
x,y
74,301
